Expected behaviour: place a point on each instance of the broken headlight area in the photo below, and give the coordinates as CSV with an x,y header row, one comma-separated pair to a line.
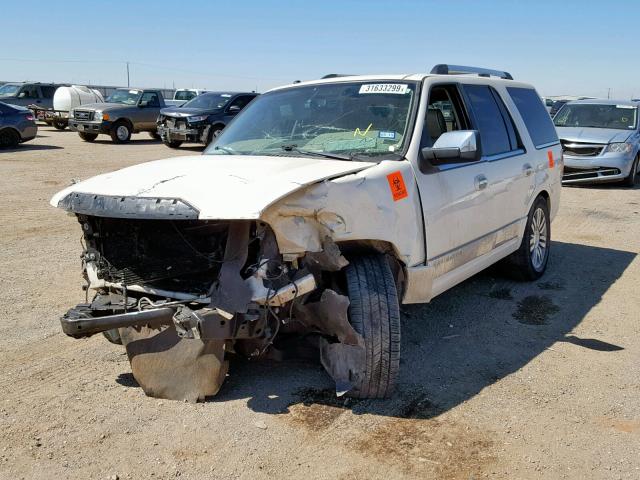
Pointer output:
x,y
180,294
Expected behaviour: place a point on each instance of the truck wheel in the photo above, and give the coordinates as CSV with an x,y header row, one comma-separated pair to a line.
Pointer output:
x,y
529,262
9,138
630,181
120,132
374,313
88,137
155,135
59,124
173,143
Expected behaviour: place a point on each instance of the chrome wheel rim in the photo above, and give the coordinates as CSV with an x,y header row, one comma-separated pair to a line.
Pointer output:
x,y
538,240
122,132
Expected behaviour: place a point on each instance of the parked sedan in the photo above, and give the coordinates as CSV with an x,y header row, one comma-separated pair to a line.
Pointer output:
x,y
17,125
201,119
600,141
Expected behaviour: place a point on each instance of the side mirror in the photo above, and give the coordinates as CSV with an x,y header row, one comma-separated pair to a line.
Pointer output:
x,y
234,109
143,103
454,147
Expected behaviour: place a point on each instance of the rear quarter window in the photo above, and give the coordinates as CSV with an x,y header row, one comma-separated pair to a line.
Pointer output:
x,y
535,116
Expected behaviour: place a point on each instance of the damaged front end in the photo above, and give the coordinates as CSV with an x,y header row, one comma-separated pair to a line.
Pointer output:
x,y
181,293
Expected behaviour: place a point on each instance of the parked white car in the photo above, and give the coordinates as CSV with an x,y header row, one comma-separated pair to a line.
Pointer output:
x,y
321,207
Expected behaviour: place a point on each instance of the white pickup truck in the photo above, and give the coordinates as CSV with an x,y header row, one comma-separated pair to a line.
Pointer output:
x,y
320,208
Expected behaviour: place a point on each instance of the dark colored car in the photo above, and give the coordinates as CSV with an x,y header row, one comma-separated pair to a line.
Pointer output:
x,y
556,106
201,119
17,125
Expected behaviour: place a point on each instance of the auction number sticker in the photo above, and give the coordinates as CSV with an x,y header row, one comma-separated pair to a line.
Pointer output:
x,y
396,88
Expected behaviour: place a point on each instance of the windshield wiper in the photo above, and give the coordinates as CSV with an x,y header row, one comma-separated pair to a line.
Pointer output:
x,y
335,156
225,149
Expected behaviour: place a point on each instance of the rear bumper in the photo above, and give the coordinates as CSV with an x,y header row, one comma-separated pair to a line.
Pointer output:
x,y
28,133
602,168
89,127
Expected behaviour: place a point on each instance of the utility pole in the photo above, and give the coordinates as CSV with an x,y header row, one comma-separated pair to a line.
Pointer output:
x,y
128,84
608,93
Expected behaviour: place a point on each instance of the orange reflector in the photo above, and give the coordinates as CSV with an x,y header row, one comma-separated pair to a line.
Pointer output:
x,y
105,116
550,157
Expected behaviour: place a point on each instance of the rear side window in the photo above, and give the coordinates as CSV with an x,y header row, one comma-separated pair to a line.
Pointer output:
x,y
48,90
497,133
535,116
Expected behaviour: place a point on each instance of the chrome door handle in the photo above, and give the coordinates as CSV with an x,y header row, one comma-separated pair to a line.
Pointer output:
x,y
481,182
527,169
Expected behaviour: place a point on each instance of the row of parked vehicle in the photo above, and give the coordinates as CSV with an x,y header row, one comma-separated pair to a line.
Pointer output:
x,y
128,111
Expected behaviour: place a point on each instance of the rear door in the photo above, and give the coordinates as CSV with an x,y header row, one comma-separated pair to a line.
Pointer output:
x,y
507,170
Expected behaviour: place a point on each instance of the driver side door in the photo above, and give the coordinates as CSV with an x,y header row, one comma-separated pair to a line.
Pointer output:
x,y
455,195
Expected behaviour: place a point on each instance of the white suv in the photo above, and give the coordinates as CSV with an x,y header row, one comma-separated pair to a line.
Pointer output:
x,y
320,208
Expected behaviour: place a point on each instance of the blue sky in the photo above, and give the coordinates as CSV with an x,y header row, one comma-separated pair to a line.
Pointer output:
x,y
570,47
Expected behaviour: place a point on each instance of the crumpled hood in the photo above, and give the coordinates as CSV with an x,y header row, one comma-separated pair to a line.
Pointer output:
x,y
186,112
218,186
592,135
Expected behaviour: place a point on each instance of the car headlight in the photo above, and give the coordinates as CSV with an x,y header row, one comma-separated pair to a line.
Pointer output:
x,y
620,147
97,116
197,118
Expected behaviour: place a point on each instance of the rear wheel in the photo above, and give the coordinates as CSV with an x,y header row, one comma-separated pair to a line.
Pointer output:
x,y
173,143
374,313
529,262
631,179
120,132
88,137
9,138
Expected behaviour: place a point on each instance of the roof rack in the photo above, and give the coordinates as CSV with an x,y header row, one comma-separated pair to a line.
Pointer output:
x,y
444,69
336,75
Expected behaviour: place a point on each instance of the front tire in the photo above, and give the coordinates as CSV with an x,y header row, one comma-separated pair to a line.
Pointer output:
x,y
88,137
529,262
173,143
59,124
630,181
374,313
120,132
155,135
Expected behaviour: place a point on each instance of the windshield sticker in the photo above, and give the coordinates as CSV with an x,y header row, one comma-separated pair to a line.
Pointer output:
x,y
133,92
397,186
630,107
389,135
360,132
396,88
226,95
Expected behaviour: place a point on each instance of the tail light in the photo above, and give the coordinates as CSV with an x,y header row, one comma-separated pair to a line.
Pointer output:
x,y
29,116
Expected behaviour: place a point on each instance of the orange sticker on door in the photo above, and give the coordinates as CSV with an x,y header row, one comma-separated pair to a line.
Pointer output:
x,y
550,157
397,186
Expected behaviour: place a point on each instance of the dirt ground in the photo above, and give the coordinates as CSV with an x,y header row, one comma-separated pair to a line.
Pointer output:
x,y
499,379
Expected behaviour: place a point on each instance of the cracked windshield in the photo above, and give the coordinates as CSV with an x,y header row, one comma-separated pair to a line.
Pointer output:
x,y
367,121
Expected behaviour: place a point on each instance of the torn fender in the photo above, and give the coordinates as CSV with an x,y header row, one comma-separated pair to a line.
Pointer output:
x,y
358,206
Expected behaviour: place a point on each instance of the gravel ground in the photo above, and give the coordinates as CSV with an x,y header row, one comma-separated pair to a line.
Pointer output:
x,y
499,379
